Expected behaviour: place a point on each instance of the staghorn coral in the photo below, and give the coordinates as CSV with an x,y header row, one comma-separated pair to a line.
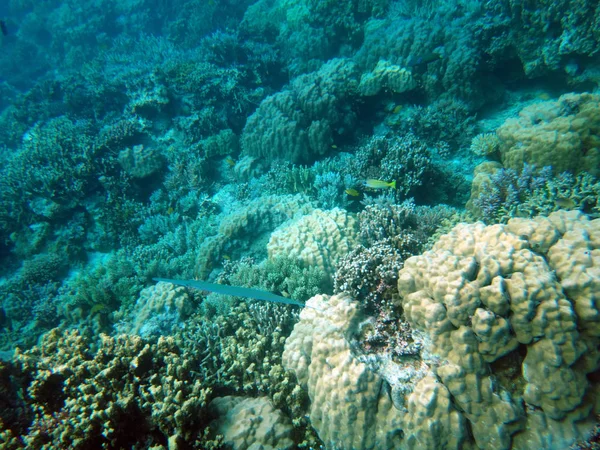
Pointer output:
x,y
498,194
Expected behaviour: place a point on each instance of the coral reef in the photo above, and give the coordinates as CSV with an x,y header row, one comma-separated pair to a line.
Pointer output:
x,y
498,196
251,422
305,148
159,311
320,352
460,293
318,239
123,391
564,134
301,123
489,351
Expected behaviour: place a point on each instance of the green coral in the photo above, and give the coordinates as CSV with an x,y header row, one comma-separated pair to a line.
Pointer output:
x,y
285,276
564,192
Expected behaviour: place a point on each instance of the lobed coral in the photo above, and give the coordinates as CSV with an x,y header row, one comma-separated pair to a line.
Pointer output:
x,y
504,328
483,293
251,422
351,403
564,134
300,124
319,238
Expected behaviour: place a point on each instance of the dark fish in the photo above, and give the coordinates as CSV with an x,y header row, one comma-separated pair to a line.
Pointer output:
x,y
3,28
424,59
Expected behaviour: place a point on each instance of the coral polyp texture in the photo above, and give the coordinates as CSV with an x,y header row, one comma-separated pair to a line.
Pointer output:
x,y
486,295
508,332
318,239
564,134
314,157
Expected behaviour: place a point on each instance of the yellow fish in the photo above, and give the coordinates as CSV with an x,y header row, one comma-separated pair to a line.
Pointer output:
x,y
565,203
379,184
230,161
352,192
397,109
333,146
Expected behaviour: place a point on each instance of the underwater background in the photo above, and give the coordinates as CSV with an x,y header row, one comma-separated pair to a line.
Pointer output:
x,y
389,210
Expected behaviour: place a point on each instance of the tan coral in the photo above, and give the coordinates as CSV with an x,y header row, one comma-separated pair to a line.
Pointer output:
x,y
158,299
319,238
482,180
482,291
248,422
351,406
386,76
564,134
103,387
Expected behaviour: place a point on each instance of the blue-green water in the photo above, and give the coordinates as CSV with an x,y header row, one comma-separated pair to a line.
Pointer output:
x,y
424,174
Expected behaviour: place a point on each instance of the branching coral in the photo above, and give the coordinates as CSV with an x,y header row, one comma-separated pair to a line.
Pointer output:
x,y
404,159
504,193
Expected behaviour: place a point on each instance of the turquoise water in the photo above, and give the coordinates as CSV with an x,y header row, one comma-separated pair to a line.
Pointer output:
x,y
424,176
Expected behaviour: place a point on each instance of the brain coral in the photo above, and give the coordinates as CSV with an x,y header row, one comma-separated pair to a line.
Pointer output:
x,y
564,134
487,294
319,238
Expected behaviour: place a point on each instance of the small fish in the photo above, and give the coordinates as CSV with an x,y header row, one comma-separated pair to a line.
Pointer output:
x,y
227,257
397,109
170,210
230,161
98,308
565,203
333,146
379,184
423,60
352,192
3,28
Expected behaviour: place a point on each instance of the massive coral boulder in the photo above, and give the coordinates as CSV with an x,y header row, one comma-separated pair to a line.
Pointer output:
x,y
496,295
320,238
299,124
351,403
564,134
507,321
